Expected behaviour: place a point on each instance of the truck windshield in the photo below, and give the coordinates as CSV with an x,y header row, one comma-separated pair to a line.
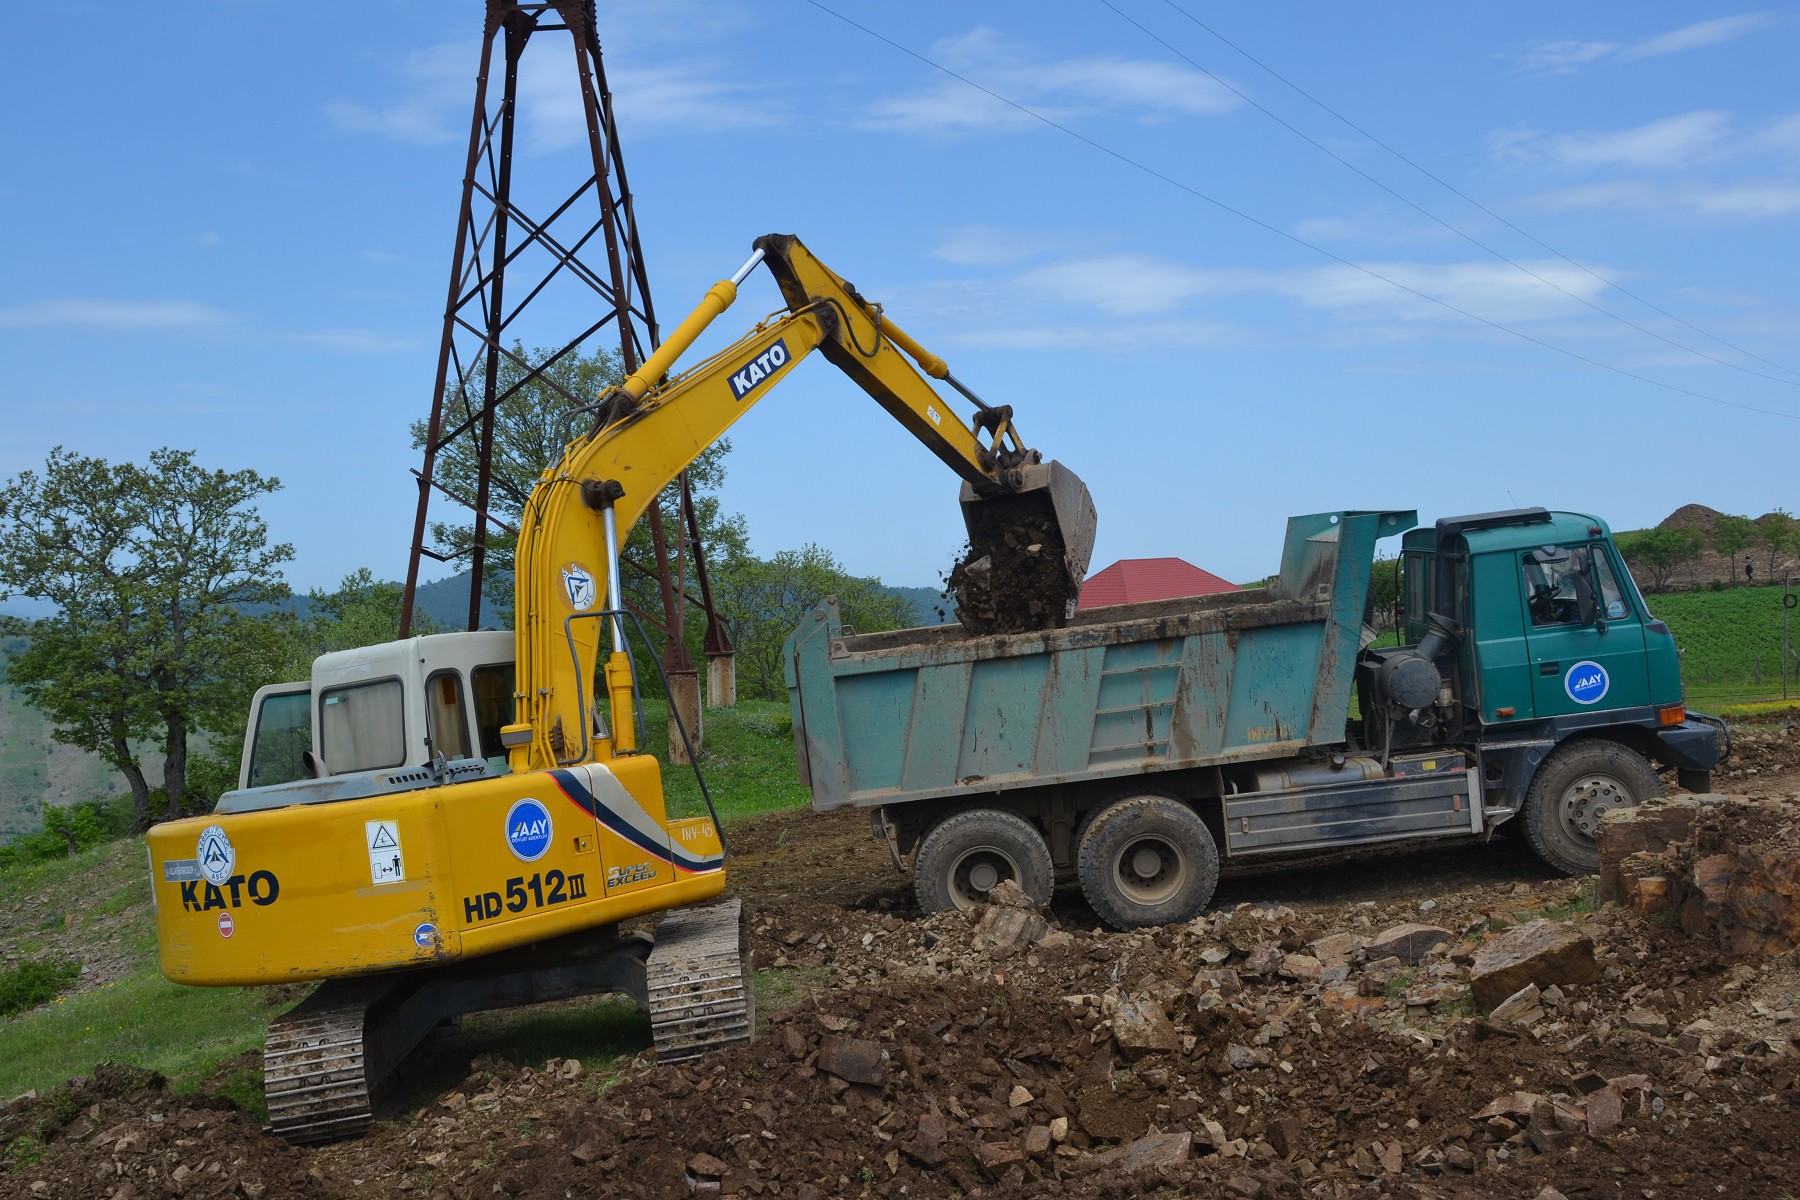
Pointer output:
x,y
283,736
493,709
362,727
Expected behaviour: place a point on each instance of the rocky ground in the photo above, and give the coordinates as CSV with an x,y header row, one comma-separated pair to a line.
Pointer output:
x,y
1449,1024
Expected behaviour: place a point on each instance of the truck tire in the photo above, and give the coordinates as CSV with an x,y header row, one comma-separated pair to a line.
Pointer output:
x,y
969,852
1578,782
1146,860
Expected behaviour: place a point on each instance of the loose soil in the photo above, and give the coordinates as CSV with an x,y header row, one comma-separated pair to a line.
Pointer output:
x,y
922,1060
1013,579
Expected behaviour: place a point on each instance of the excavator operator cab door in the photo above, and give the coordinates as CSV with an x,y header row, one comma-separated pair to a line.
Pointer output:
x,y
278,736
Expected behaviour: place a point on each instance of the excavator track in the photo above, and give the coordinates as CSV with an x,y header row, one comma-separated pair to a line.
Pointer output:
x,y
316,1074
699,982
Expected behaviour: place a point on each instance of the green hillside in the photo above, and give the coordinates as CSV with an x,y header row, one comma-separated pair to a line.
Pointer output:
x,y
1730,642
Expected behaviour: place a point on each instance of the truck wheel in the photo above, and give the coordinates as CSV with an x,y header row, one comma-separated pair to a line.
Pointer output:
x,y
1578,783
1146,860
969,852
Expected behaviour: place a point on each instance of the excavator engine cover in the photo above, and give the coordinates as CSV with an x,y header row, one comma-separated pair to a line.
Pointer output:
x,y
1028,552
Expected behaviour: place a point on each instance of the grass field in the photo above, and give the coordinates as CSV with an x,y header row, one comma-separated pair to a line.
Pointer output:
x,y
1731,645
95,907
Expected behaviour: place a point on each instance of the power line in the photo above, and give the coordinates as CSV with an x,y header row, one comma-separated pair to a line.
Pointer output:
x,y
1459,193
1422,211
1282,233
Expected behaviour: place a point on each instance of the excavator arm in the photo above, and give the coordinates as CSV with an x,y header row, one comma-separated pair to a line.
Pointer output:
x,y
652,426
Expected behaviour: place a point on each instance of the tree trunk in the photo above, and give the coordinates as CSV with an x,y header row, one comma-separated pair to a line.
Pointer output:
x,y
127,764
175,765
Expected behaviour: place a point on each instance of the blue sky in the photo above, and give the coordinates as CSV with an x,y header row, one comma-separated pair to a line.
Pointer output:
x,y
232,232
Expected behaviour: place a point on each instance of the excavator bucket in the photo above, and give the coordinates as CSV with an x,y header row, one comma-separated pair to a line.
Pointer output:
x,y
1028,552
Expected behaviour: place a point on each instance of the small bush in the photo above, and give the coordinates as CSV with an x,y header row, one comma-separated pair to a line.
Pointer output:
x,y
34,982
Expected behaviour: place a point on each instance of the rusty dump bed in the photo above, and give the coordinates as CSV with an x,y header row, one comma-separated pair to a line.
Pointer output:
x,y
917,714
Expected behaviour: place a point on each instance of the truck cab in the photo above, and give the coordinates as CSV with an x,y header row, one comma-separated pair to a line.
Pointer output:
x,y
442,698
1544,649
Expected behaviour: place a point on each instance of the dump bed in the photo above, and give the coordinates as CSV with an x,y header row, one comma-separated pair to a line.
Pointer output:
x,y
916,714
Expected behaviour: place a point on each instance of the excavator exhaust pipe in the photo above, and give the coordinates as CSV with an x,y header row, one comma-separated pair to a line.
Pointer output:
x,y
1029,551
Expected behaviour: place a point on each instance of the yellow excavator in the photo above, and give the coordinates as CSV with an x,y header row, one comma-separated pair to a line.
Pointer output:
x,y
459,822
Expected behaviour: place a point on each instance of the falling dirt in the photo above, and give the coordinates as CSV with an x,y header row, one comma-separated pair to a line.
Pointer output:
x,y
1015,580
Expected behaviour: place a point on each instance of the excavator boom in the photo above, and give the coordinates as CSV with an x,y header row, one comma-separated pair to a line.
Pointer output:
x,y
1018,509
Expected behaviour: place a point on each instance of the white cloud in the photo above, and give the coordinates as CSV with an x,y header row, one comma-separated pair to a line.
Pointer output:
x,y
211,237
435,83
1752,199
1562,58
989,246
353,341
1144,284
1149,89
436,89
1668,142
120,316
1565,57
1698,35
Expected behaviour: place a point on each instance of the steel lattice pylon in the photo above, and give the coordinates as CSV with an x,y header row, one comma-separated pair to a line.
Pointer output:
x,y
502,253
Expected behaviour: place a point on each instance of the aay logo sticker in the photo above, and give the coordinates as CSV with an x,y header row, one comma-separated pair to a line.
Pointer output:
x,y
759,369
1586,682
217,857
528,830
578,582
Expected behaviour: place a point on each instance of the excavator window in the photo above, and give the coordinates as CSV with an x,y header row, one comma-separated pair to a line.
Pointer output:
x,y
283,736
447,715
362,726
493,709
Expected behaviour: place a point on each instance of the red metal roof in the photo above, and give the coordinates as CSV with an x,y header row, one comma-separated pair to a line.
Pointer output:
x,y
1134,580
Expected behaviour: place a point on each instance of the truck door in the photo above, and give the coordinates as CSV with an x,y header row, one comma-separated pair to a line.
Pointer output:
x,y
1581,665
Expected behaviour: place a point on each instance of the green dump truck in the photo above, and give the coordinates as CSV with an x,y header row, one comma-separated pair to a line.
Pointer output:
x,y
1137,742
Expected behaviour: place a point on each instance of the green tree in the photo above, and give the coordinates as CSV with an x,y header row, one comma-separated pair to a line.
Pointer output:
x,y
1731,536
531,431
1657,554
1776,532
765,599
151,569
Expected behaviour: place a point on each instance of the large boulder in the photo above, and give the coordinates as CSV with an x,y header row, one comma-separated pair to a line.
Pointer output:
x,y
1541,952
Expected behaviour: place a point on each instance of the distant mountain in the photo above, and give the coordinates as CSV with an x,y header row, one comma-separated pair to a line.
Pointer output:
x,y
929,605
446,602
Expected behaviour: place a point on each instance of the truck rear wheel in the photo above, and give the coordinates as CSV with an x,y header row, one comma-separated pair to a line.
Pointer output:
x,y
967,853
1146,860
1581,781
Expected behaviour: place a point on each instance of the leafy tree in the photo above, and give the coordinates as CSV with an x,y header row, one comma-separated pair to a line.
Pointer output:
x,y
1384,591
150,568
765,599
531,431
1777,533
1731,536
1658,553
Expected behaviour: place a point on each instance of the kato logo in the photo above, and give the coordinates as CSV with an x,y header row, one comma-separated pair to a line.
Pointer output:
x,y
1586,682
528,830
218,859
759,368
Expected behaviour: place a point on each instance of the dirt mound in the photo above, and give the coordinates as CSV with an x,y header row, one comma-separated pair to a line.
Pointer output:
x,y
120,1134
1695,517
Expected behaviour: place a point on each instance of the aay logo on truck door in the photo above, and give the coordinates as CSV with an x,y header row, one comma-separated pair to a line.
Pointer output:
x,y
759,368
528,830
1586,682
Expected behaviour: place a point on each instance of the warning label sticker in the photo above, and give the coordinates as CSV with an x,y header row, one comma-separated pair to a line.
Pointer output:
x,y
385,862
